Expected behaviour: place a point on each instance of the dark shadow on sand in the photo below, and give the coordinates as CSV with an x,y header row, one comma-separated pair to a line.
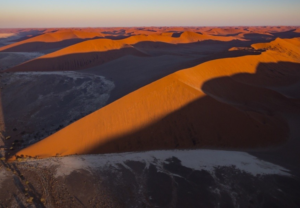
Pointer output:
x,y
239,112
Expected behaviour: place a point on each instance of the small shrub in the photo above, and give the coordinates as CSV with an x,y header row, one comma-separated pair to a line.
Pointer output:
x,y
29,200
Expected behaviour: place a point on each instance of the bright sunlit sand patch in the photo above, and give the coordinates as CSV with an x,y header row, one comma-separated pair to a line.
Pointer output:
x,y
6,35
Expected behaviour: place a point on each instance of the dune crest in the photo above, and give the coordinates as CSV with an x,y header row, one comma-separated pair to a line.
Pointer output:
x,y
191,108
50,37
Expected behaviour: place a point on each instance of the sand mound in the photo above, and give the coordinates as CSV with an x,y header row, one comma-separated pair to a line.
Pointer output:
x,y
220,103
42,42
185,37
189,37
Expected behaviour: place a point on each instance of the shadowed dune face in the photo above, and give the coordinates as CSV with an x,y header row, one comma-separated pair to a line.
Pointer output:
x,y
232,114
222,103
75,61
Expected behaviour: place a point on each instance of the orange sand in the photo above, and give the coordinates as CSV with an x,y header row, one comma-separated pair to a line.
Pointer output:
x,y
220,103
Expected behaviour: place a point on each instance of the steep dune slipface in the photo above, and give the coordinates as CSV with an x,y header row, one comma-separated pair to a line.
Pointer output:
x,y
210,105
87,49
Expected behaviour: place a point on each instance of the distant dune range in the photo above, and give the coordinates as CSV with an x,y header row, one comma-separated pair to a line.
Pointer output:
x,y
75,49
234,102
90,53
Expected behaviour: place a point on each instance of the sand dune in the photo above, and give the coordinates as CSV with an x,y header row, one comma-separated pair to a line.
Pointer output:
x,y
86,49
39,42
220,103
107,44
285,47
225,31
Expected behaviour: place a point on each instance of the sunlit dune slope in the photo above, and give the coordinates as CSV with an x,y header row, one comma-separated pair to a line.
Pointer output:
x,y
221,103
285,47
64,56
38,43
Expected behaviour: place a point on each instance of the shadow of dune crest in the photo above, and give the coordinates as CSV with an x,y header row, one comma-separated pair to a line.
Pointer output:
x,y
76,61
232,115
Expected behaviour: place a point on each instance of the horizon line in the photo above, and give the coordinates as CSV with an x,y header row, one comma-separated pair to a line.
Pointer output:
x,y
145,26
